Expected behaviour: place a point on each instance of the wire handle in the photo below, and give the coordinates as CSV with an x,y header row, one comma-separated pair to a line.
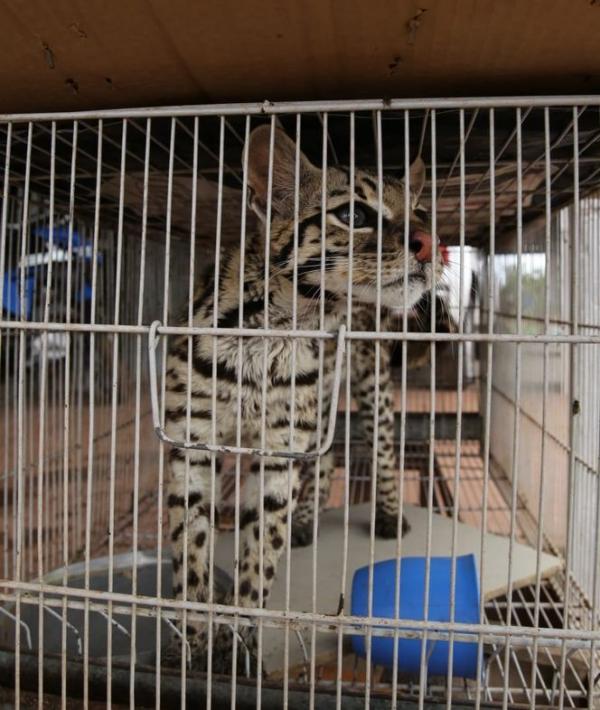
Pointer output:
x,y
153,338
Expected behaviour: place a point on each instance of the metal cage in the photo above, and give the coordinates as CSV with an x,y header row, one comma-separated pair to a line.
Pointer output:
x,y
107,219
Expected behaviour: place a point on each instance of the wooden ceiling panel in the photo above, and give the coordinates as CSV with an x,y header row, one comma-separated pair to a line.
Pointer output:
x,y
77,54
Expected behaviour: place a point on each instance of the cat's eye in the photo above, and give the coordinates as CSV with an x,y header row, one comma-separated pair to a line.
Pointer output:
x,y
360,215
421,214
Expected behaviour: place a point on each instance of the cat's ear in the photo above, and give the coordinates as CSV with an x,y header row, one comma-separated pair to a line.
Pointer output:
x,y
283,171
416,178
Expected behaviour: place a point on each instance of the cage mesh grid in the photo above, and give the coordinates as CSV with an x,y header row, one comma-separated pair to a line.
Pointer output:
x,y
73,399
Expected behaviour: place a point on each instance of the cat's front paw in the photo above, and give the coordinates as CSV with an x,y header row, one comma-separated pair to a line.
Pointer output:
x,y
386,525
221,658
170,656
302,534
222,655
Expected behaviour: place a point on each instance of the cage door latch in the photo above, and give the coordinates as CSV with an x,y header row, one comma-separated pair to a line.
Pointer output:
x,y
153,339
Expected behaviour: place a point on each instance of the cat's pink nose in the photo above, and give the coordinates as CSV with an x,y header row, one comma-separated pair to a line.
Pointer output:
x,y
421,245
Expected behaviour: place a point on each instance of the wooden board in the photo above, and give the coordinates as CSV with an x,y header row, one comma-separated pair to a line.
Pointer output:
x,y
329,568
93,54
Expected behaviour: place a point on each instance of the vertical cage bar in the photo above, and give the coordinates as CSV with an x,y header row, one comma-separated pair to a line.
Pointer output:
x,y
42,424
66,415
547,295
491,285
593,660
326,140
459,404
263,401
291,463
515,464
161,457
595,275
21,440
114,410
91,423
213,470
348,407
431,457
573,395
137,417
6,342
188,409
238,420
403,382
376,384
3,218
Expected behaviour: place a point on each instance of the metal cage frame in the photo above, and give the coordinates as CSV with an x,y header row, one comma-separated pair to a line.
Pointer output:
x,y
68,430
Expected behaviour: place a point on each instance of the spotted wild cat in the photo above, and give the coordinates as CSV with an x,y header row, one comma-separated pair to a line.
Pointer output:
x,y
422,267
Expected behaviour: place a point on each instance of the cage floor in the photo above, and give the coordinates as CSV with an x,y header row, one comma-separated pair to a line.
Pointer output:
x,y
418,486
470,508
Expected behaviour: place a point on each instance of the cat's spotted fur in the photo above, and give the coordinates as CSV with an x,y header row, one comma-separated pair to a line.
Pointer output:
x,y
205,423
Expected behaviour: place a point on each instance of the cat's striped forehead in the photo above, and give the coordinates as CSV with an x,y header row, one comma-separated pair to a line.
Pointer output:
x,y
365,186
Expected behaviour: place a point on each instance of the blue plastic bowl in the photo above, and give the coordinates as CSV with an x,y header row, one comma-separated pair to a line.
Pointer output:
x,y
412,586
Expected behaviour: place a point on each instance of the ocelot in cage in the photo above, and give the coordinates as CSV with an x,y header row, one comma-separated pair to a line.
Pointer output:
x,y
287,209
